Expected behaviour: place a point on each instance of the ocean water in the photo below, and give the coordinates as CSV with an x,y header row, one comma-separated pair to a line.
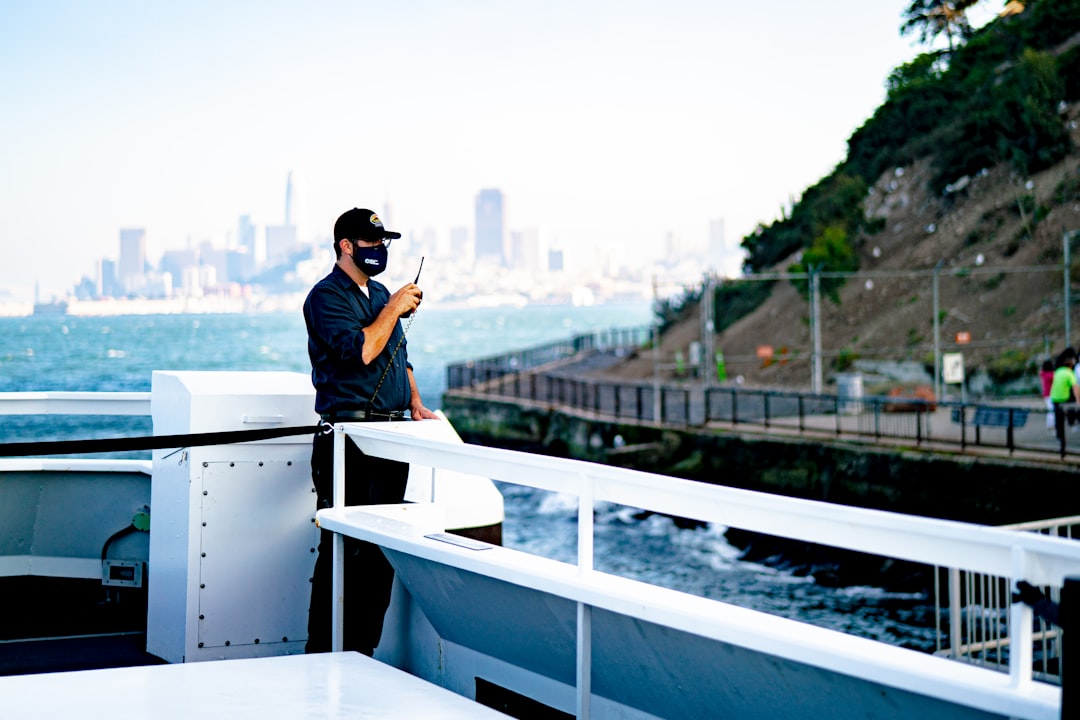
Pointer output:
x,y
120,353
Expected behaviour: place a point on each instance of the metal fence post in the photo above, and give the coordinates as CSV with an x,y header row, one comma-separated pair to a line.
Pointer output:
x,y
836,412
963,426
877,418
1059,426
1009,432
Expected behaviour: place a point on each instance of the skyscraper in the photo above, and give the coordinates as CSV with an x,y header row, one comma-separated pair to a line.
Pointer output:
x,y
245,260
288,199
132,266
490,226
245,234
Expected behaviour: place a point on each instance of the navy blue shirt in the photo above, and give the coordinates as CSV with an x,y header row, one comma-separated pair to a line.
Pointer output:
x,y
336,312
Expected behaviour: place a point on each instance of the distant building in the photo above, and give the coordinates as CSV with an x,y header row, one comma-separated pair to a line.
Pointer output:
x,y
245,234
107,285
490,226
289,220
240,265
175,262
218,259
280,243
526,252
555,260
459,245
424,243
132,266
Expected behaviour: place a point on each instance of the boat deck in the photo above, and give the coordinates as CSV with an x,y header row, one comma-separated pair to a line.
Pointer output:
x,y
330,685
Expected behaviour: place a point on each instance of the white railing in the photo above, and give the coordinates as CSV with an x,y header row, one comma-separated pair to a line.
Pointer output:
x,y
75,403
1042,561
20,555
978,629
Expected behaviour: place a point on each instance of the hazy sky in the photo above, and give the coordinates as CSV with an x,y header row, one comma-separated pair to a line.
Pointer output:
x,y
606,123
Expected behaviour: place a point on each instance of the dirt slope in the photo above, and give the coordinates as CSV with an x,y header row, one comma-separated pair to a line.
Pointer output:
x,y
1000,281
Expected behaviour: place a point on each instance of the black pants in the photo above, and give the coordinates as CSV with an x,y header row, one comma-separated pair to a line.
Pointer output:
x,y
1064,412
368,576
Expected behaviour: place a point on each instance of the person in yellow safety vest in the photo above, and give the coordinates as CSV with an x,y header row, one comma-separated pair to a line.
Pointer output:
x,y
1063,390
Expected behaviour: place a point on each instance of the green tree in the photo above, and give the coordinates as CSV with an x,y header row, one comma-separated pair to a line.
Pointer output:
x,y
930,18
831,251
1032,135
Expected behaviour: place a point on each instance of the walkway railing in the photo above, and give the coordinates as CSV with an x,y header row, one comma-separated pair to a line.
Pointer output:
x,y
473,372
577,383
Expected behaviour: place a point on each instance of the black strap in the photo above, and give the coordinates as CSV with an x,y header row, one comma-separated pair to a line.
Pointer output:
x,y
362,415
152,442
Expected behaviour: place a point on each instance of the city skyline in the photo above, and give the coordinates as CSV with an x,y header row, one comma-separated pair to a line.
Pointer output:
x,y
609,127
512,266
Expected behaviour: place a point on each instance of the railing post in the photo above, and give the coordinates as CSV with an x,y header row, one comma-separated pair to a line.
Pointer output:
x,y
1020,632
765,407
1070,605
584,612
963,426
734,407
918,423
686,405
802,415
836,412
1009,432
956,612
337,619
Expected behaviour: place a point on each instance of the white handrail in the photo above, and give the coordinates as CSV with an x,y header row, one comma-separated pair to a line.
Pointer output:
x,y
918,539
75,403
1039,559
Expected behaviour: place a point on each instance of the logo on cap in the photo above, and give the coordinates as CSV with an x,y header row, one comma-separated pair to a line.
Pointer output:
x,y
375,220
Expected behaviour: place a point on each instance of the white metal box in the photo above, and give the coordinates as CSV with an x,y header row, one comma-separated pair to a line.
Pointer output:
x,y
232,534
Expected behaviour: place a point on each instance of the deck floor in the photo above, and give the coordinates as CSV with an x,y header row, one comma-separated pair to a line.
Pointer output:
x,y
329,686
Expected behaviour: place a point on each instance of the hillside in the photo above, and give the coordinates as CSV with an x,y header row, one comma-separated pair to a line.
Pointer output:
x,y
999,239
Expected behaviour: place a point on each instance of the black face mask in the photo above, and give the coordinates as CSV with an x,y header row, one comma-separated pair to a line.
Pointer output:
x,y
370,260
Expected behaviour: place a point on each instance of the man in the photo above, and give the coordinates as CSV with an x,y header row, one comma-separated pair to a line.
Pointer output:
x,y
1064,390
361,373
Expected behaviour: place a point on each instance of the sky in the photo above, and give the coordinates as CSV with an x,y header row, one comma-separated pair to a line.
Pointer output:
x,y
607,124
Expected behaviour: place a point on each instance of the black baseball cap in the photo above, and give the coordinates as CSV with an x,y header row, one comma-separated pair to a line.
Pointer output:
x,y
358,224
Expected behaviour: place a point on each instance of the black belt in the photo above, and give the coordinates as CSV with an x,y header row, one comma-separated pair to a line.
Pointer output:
x,y
364,416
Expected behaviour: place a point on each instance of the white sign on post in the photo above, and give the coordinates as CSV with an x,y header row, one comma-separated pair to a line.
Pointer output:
x,y
952,368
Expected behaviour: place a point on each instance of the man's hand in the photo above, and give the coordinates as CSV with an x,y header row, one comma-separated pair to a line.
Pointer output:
x,y
1027,593
405,300
419,412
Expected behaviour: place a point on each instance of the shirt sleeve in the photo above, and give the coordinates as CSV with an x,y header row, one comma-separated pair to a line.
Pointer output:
x,y
334,323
